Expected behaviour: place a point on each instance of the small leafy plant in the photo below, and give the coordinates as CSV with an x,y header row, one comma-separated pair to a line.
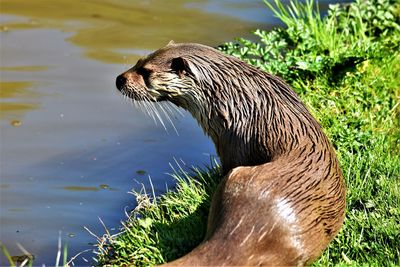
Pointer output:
x,y
312,46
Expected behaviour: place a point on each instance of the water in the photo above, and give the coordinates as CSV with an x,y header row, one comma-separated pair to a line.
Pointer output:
x,y
71,147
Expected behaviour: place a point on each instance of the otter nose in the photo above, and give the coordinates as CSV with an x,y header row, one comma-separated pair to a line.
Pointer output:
x,y
120,81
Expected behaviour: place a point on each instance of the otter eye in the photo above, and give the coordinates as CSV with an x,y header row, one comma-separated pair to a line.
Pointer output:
x,y
145,73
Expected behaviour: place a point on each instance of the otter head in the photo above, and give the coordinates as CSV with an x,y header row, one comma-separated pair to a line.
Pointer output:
x,y
166,74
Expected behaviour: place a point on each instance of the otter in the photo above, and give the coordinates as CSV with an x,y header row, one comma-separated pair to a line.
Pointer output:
x,y
282,198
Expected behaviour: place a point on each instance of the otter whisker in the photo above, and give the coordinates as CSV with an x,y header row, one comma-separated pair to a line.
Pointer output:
x,y
134,103
168,118
157,114
147,107
128,99
173,109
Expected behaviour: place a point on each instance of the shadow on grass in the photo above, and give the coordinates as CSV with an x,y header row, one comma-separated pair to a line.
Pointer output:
x,y
183,235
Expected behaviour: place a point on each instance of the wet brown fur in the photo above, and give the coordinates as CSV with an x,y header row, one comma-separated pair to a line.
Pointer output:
x,y
282,199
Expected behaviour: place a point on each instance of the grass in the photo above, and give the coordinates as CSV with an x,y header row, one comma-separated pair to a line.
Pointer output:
x,y
346,68
163,228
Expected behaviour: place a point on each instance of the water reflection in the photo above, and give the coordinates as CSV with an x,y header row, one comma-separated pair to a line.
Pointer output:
x,y
78,188
103,28
16,98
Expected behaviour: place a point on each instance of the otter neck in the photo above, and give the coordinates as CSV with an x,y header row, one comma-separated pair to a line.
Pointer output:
x,y
258,125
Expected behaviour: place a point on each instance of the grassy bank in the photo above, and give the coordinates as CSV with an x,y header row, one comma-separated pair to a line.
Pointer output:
x,y
346,68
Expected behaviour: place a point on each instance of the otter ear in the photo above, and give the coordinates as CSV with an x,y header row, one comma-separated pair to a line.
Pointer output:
x,y
171,42
183,67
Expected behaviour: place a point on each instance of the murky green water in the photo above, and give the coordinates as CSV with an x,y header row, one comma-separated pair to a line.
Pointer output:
x,y
71,147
